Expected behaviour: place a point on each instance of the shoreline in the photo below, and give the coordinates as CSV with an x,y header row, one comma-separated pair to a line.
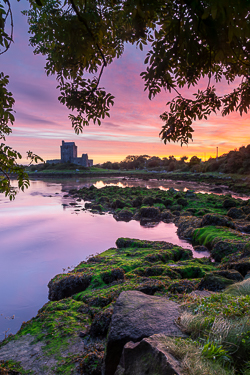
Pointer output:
x,y
69,335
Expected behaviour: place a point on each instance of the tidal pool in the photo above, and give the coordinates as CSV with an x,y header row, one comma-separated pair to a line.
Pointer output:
x,y
41,238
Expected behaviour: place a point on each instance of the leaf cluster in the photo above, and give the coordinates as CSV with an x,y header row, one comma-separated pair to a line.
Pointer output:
x,y
187,40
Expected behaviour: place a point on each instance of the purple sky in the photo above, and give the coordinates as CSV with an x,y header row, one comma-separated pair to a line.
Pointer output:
x,y
42,122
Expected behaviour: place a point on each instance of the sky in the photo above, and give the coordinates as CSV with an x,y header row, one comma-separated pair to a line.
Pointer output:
x,y
134,124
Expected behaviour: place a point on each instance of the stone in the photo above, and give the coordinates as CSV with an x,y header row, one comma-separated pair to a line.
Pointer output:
x,y
200,248
113,275
124,215
183,286
150,212
167,215
68,285
236,213
229,274
224,248
101,322
186,225
229,203
136,316
150,356
217,220
214,283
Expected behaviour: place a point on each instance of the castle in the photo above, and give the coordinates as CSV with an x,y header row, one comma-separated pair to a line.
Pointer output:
x,y
69,155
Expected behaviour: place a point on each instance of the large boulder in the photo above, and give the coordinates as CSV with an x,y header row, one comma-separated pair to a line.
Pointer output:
x,y
137,315
217,220
150,356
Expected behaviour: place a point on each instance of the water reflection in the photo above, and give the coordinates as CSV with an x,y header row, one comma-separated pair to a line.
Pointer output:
x,y
41,234
40,237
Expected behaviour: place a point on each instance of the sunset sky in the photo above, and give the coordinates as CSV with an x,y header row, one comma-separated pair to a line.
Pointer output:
x,y
133,128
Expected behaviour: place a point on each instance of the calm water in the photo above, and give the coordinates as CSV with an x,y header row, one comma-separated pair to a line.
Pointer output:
x,y
40,238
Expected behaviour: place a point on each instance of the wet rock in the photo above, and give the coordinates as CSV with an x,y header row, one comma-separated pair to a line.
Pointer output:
x,y
224,248
183,286
242,266
168,202
124,215
229,203
117,203
200,248
176,207
167,215
148,201
96,207
136,316
113,275
246,210
149,356
182,201
217,220
88,205
229,274
236,213
101,322
186,226
150,212
214,283
68,285
137,202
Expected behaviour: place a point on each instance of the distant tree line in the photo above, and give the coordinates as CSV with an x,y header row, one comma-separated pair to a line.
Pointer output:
x,y
237,161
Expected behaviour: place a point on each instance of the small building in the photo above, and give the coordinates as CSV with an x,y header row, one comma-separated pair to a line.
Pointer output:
x,y
69,155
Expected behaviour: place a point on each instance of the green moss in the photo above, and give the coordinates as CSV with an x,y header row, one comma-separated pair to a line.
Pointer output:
x,y
56,324
209,235
13,366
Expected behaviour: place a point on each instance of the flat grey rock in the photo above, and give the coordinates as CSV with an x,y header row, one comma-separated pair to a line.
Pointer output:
x,y
137,315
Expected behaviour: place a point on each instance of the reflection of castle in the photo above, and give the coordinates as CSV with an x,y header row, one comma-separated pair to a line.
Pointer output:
x,y
69,155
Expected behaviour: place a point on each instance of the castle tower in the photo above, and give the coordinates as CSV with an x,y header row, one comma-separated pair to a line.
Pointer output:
x,y
68,152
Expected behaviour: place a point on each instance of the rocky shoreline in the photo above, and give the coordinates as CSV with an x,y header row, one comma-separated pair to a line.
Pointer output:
x,y
238,184
147,298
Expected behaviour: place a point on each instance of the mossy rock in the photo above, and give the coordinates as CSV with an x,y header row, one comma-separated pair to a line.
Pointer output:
x,y
183,286
225,248
124,215
182,202
167,215
101,322
216,220
148,201
229,274
214,283
236,213
112,275
66,285
137,202
176,207
168,202
149,212
229,203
